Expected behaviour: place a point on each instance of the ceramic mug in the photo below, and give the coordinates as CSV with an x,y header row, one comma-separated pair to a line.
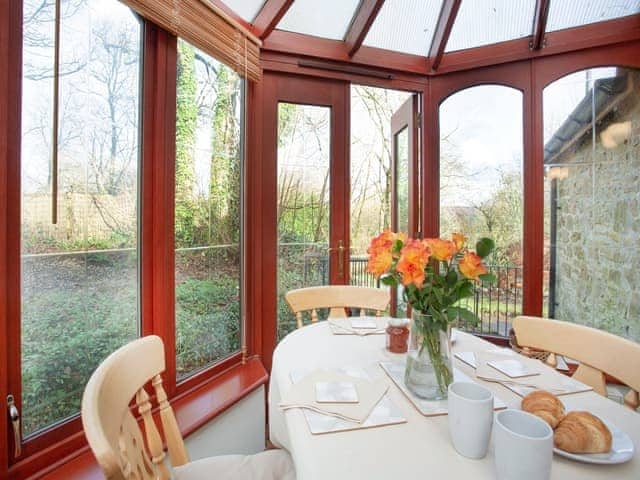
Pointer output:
x,y
470,412
523,446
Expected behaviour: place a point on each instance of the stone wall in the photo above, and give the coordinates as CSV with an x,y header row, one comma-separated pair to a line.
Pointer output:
x,y
598,229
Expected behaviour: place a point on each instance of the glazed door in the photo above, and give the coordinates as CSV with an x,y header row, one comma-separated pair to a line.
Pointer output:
x,y
405,198
312,203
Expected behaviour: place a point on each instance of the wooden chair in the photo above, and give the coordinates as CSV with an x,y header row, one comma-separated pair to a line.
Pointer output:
x,y
117,441
337,298
598,352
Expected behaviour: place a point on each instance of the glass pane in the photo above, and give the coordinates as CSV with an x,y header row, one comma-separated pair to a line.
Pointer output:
x,y
207,211
247,9
573,13
491,21
304,142
405,26
402,179
326,19
481,192
80,276
593,199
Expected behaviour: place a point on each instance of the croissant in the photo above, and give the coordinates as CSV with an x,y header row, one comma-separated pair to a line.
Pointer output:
x,y
544,405
581,432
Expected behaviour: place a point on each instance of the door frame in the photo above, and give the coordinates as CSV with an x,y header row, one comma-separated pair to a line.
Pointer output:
x,y
285,88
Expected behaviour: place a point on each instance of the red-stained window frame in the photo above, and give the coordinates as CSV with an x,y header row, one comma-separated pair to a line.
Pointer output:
x,y
157,299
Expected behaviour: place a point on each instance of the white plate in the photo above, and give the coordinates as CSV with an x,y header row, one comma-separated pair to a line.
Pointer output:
x,y
622,449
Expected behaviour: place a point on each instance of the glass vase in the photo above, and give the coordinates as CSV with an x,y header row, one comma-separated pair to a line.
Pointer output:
x,y
428,371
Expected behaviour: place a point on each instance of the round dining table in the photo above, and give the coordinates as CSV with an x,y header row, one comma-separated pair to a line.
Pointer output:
x,y
421,447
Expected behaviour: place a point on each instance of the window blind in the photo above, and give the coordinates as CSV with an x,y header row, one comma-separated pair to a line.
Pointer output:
x,y
206,26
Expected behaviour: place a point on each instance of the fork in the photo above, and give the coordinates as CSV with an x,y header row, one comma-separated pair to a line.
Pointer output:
x,y
506,383
313,408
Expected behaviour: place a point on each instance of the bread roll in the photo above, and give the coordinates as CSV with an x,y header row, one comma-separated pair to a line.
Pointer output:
x,y
544,405
581,432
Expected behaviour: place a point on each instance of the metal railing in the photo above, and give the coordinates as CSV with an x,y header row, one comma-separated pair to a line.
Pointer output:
x,y
495,305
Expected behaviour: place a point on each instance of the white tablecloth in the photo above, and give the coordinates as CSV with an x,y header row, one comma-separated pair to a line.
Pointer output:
x,y
419,449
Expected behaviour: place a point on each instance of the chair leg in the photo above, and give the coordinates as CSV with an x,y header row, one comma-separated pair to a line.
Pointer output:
x,y
592,377
631,400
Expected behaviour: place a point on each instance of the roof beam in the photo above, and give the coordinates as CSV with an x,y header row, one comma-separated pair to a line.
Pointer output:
x,y
539,23
361,24
446,19
269,16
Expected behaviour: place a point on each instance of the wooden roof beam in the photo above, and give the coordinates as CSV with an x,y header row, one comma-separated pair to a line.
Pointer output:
x,y
444,25
539,23
269,16
361,24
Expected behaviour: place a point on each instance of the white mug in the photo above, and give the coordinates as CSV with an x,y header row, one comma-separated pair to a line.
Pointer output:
x,y
470,412
523,446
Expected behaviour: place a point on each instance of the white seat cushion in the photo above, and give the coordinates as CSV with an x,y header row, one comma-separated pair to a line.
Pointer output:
x,y
269,465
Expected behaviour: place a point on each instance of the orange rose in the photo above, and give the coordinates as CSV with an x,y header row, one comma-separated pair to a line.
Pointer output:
x,y
413,260
441,249
379,261
459,240
386,239
471,266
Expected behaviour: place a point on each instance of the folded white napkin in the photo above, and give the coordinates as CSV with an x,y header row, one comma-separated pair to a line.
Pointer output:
x,y
343,326
303,393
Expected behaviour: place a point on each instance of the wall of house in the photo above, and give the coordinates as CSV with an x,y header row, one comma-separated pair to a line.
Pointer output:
x,y
239,430
598,229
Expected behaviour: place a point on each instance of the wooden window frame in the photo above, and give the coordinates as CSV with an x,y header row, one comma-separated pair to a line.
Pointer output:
x,y
234,376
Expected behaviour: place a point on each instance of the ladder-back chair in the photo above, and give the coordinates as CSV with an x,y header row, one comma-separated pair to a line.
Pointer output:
x,y
337,298
117,441
597,352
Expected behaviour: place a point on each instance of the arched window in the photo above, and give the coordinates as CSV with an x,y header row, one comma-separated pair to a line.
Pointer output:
x,y
481,192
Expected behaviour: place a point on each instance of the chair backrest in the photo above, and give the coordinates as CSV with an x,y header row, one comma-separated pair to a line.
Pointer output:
x,y
337,298
109,424
597,351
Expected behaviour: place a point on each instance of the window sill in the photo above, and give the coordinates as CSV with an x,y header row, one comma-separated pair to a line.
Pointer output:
x,y
193,409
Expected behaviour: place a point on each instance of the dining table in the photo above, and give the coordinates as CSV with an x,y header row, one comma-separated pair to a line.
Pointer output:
x,y
419,448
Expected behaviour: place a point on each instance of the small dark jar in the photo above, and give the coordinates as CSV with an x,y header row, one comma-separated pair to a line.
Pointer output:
x,y
398,335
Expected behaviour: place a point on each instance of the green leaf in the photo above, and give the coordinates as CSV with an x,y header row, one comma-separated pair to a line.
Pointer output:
x,y
467,315
389,280
487,278
397,246
465,289
484,247
452,278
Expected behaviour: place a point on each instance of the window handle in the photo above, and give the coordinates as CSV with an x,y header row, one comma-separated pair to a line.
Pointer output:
x,y
14,416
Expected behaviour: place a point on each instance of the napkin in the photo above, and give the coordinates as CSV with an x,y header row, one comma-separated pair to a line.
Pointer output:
x,y
370,393
486,371
545,378
342,326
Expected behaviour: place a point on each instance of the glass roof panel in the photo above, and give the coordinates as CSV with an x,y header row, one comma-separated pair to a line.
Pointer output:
x,y
247,9
490,21
326,19
573,13
405,26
